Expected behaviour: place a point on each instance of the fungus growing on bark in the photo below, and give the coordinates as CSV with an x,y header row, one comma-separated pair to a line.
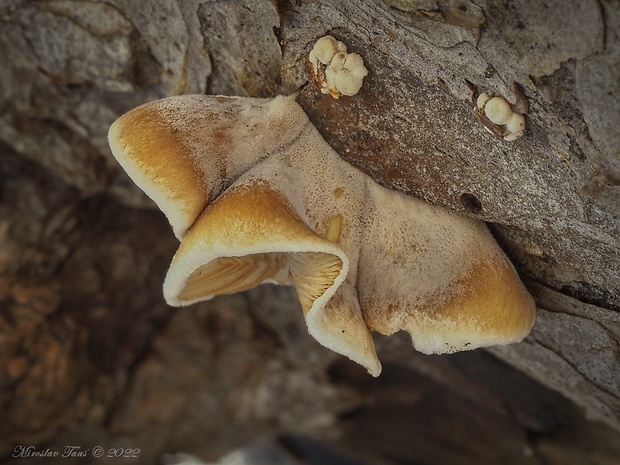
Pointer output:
x,y
334,71
324,50
499,117
256,195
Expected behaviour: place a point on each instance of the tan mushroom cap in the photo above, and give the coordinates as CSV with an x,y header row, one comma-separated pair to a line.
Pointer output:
x,y
183,151
451,287
257,196
154,154
251,235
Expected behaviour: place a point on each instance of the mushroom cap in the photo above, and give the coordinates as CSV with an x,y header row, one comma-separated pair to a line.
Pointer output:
x,y
254,221
252,235
450,287
498,110
345,75
482,99
332,53
325,48
347,83
354,63
516,124
337,63
183,151
258,196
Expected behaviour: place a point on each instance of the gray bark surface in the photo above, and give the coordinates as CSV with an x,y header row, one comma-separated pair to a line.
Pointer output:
x,y
90,353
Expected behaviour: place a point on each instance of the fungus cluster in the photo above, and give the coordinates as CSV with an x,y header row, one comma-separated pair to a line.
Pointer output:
x,y
507,123
255,195
333,70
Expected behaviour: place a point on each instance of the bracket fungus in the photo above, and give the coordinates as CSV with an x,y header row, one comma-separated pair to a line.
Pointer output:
x,y
255,195
334,71
499,117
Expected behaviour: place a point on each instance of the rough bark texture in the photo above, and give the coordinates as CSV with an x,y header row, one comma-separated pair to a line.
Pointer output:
x,y
91,355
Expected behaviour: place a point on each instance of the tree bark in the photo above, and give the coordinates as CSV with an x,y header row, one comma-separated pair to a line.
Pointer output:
x,y
91,354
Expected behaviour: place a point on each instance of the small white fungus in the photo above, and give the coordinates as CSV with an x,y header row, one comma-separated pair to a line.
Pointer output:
x,y
516,124
499,112
482,99
343,73
325,49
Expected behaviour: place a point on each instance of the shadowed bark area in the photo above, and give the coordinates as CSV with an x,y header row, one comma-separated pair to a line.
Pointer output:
x,y
92,356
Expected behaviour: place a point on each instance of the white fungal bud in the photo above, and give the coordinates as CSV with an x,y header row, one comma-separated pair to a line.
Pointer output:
x,y
324,50
499,118
355,64
346,83
516,124
498,110
482,99
337,62
343,73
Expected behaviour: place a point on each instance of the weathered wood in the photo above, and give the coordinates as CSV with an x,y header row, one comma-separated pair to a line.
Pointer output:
x,y
92,356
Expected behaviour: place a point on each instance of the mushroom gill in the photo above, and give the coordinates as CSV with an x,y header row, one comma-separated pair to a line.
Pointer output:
x,y
311,273
250,235
228,275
